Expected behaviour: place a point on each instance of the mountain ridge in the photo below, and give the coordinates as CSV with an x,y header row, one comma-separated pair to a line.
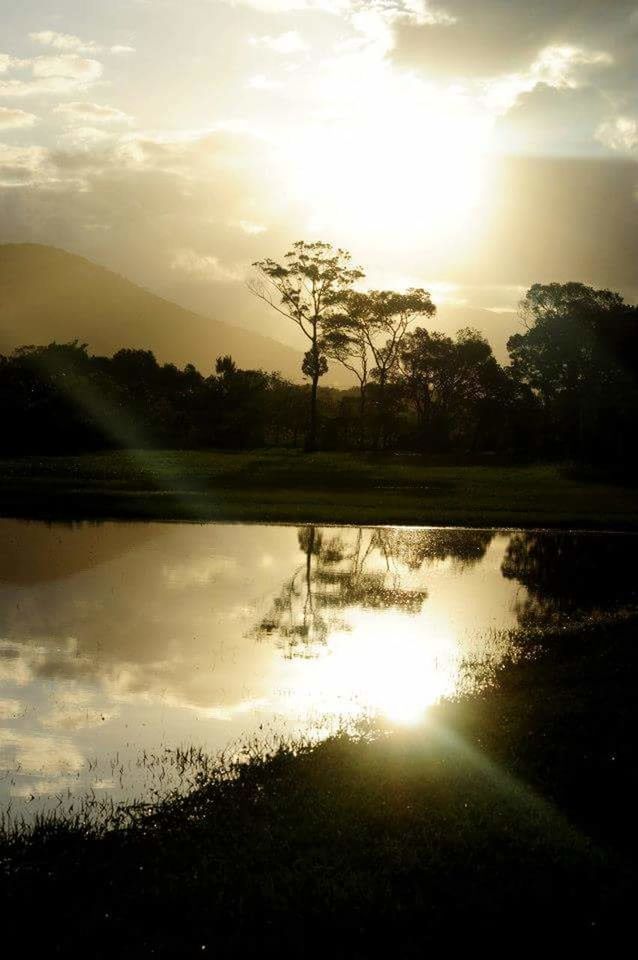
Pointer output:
x,y
47,293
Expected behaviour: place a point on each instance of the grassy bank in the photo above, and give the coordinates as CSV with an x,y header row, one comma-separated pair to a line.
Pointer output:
x,y
289,486
509,821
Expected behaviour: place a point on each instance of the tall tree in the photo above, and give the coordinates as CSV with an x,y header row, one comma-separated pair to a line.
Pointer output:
x,y
387,317
309,287
579,355
449,383
346,342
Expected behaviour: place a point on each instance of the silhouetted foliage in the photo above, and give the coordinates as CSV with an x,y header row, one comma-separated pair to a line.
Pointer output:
x,y
570,391
309,288
58,398
367,338
580,358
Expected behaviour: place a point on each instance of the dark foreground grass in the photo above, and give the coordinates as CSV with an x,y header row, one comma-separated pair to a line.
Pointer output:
x,y
509,824
289,486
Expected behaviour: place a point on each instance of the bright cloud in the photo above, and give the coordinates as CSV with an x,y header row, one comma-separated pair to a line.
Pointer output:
x,y
15,119
67,67
260,81
284,43
45,756
69,43
59,74
64,41
92,112
558,67
621,133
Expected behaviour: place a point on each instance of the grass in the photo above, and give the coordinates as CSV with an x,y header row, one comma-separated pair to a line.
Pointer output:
x,y
509,822
289,486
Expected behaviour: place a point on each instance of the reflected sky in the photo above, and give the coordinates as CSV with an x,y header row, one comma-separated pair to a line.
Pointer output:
x,y
121,638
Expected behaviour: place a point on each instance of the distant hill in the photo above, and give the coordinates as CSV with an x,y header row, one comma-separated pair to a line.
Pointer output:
x,y
48,294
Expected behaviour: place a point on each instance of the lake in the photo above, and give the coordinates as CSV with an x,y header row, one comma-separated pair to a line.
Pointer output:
x,y
121,642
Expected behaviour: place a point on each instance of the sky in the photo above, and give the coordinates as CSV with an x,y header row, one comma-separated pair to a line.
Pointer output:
x,y
469,146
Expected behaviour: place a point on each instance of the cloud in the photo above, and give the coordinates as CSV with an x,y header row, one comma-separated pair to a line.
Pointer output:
x,y
419,11
493,37
11,709
16,119
23,166
619,134
205,266
84,137
291,6
69,43
45,756
8,62
92,112
59,74
160,208
283,43
67,67
73,710
549,120
259,81
252,229
63,41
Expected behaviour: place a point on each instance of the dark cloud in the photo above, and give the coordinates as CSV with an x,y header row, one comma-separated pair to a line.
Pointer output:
x,y
492,37
549,120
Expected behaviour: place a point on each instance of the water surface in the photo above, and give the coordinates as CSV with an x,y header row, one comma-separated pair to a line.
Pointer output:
x,y
121,640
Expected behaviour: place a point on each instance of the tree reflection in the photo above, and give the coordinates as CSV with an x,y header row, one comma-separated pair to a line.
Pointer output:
x,y
370,569
413,548
564,576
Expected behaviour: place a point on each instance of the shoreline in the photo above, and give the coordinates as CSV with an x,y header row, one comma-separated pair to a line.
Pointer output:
x,y
289,487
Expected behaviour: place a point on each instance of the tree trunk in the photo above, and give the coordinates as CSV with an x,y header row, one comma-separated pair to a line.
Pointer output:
x,y
362,416
381,426
311,443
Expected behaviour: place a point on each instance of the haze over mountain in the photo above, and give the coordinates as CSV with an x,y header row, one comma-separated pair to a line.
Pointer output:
x,y
48,294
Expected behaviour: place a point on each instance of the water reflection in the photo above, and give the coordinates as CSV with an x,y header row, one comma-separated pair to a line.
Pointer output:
x,y
340,573
567,575
123,638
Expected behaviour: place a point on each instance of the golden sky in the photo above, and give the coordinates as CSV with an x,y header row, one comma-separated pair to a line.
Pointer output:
x,y
470,146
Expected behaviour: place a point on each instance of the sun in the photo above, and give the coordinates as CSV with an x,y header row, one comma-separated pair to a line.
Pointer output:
x,y
399,163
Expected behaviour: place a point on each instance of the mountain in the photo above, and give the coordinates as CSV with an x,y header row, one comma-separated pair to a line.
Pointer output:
x,y
48,294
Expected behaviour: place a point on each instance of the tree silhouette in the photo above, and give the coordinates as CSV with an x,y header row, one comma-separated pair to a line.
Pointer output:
x,y
346,342
366,338
580,356
449,382
308,288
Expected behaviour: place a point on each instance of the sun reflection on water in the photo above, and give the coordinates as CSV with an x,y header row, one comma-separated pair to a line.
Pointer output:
x,y
387,664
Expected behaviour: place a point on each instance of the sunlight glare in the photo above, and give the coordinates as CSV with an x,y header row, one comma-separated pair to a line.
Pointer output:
x,y
398,163
388,665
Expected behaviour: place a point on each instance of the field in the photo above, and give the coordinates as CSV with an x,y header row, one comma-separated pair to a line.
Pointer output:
x,y
289,486
511,818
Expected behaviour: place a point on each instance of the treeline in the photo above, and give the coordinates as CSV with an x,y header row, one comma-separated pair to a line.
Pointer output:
x,y
59,398
568,392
